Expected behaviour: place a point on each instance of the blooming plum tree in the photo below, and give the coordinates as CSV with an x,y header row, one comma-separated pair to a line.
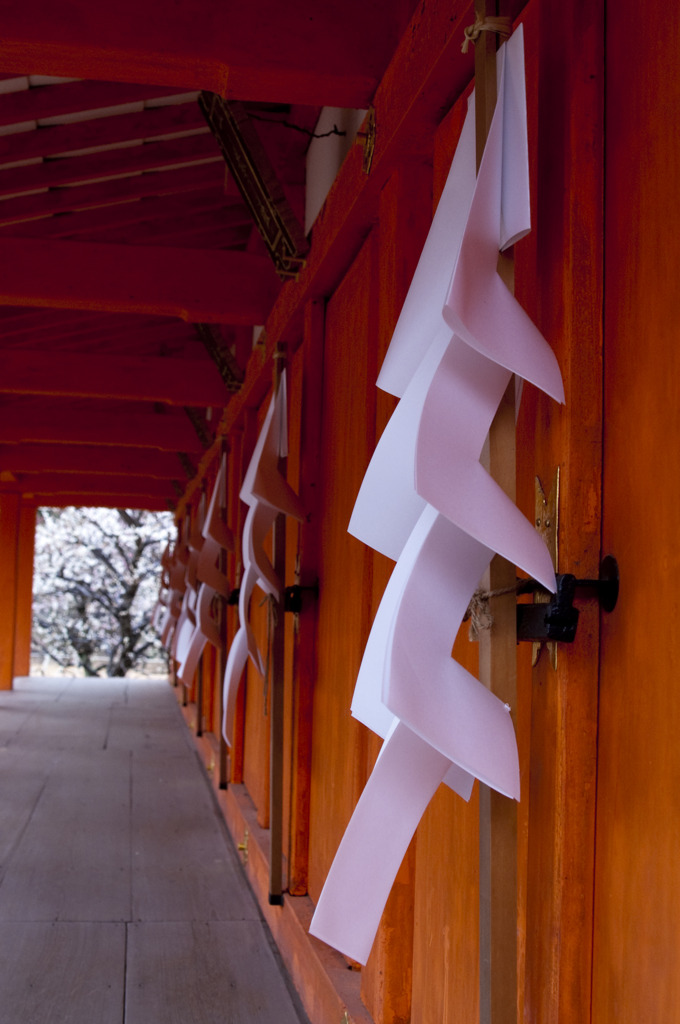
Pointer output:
x,y
96,576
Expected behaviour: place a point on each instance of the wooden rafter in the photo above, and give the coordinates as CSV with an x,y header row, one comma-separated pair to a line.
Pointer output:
x,y
299,52
79,375
136,159
94,483
196,285
205,231
67,98
137,217
55,458
114,239
124,190
80,330
57,139
103,500
134,430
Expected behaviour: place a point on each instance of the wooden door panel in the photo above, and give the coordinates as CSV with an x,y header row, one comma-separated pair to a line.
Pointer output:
x,y
637,897
347,441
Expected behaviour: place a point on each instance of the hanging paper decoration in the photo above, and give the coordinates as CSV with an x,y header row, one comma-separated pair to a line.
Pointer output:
x,y
171,593
209,538
427,502
187,647
267,493
217,537
161,612
187,615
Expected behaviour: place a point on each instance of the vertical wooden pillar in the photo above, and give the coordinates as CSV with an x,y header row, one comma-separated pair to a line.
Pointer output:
x,y
199,680
564,708
304,650
497,654
10,506
224,649
276,692
24,590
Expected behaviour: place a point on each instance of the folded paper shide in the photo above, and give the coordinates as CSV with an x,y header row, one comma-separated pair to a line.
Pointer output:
x,y
187,614
267,493
427,502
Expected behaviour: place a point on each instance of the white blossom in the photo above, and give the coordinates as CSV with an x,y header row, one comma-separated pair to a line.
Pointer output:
x,y
95,584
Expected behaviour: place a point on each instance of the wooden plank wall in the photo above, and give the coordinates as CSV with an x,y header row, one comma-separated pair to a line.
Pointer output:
x,y
424,966
637,893
345,565
561,287
612,903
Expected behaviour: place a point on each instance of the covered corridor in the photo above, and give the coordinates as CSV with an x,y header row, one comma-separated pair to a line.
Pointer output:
x,y
207,209
122,899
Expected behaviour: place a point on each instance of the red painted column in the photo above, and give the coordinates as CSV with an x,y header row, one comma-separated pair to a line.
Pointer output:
x,y
9,530
24,589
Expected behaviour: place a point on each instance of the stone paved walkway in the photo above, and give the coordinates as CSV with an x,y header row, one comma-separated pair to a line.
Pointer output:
x,y
122,900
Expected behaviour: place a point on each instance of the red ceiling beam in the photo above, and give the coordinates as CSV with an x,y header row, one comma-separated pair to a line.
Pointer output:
x,y
41,492
58,483
80,330
56,425
70,97
15,322
220,228
205,232
99,131
101,501
141,379
149,212
81,459
428,72
302,51
110,193
150,156
205,286
208,236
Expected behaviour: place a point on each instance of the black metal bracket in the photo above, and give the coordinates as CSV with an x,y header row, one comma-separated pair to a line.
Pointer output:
x,y
257,181
292,597
557,618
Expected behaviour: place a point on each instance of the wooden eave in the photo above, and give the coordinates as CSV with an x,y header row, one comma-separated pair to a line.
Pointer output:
x,y
119,230
119,227
298,52
427,73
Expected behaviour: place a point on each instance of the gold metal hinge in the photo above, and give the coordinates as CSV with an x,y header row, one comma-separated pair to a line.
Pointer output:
x,y
547,512
366,139
242,847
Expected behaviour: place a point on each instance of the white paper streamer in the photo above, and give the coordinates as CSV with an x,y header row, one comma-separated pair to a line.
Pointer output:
x,y
461,403
193,577
440,723
217,537
267,493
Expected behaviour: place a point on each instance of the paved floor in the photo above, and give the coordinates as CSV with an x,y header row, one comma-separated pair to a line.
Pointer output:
x,y
122,900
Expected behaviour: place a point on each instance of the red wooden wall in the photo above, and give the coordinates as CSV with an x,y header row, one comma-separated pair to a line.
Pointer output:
x,y
424,966
598,908
637,890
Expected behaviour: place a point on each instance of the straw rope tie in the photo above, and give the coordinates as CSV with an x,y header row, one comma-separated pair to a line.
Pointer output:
x,y
478,611
502,26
